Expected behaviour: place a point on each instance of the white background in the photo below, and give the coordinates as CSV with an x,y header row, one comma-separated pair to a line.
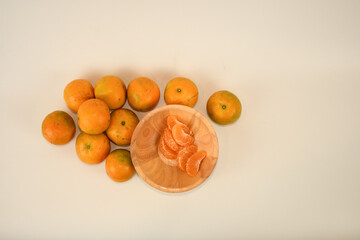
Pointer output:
x,y
288,169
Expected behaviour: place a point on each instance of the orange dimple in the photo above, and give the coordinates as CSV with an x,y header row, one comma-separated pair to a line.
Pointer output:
x,y
166,150
180,136
169,140
184,154
193,164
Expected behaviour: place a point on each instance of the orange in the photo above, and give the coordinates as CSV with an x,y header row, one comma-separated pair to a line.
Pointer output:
x,y
172,120
122,125
184,155
58,128
193,164
77,92
180,136
166,150
92,149
143,94
93,116
119,166
223,107
112,91
169,140
181,91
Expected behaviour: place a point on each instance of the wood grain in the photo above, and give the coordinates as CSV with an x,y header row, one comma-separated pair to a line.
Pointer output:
x,y
159,173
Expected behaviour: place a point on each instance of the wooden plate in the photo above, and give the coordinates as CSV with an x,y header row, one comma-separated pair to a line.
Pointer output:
x,y
154,170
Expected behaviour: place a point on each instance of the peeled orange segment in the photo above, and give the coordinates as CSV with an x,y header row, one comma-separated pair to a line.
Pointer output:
x,y
193,164
184,154
169,140
166,150
180,136
172,120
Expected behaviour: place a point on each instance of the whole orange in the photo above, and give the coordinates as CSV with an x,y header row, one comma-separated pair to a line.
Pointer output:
x,y
58,128
92,149
181,91
122,125
93,116
112,91
119,166
77,92
143,94
223,107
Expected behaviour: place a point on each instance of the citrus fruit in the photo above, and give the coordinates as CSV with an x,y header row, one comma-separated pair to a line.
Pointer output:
x,y
223,107
77,92
171,120
93,116
169,140
122,125
119,166
180,136
165,149
58,128
112,91
184,155
92,149
181,91
193,163
143,94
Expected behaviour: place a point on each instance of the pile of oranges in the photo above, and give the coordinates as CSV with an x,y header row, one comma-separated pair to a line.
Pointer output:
x,y
102,118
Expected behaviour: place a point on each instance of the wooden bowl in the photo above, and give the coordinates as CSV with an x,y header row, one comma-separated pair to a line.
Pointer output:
x,y
154,170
